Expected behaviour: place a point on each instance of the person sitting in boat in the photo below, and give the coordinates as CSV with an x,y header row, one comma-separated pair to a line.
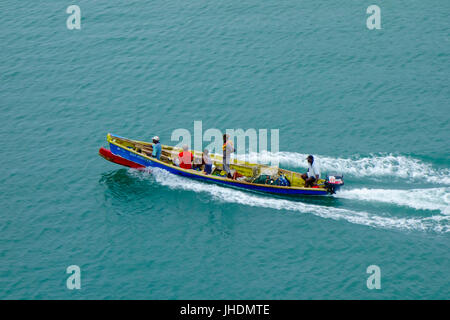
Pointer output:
x,y
313,174
227,148
185,158
207,161
156,153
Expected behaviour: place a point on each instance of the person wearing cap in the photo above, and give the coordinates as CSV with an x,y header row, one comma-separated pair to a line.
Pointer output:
x,y
156,153
313,174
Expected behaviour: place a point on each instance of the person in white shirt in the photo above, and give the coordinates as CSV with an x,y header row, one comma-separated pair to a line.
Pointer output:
x,y
207,162
313,174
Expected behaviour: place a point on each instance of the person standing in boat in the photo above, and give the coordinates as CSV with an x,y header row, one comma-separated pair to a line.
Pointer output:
x,y
227,148
185,158
313,174
156,153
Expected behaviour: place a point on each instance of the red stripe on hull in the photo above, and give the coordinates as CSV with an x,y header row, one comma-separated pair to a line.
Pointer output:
x,y
108,155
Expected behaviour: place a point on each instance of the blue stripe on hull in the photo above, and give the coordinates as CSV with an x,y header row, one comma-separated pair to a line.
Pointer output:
x,y
124,153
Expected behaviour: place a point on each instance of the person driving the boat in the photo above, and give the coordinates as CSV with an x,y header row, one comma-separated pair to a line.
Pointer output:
x,y
227,148
156,153
185,158
313,174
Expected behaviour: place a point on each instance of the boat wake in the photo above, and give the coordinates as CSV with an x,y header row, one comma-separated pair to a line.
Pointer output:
x,y
436,223
373,166
421,199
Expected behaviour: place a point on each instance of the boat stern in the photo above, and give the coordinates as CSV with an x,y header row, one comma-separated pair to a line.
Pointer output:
x,y
334,182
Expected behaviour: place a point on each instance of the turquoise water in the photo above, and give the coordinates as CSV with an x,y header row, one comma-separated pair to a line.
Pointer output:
x,y
371,104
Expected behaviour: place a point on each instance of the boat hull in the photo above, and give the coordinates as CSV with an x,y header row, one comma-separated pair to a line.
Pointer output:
x,y
135,160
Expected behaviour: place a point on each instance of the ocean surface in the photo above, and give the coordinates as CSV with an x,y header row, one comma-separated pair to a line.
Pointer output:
x,y
372,104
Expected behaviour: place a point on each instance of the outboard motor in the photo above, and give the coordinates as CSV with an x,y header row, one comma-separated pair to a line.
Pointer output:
x,y
333,182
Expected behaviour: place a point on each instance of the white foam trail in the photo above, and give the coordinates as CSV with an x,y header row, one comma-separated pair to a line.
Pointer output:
x,y
382,165
420,199
435,223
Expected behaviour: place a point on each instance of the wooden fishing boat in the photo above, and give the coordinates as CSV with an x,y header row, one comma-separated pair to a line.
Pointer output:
x,y
249,176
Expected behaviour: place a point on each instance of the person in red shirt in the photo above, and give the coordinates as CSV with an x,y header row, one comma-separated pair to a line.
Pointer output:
x,y
185,158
